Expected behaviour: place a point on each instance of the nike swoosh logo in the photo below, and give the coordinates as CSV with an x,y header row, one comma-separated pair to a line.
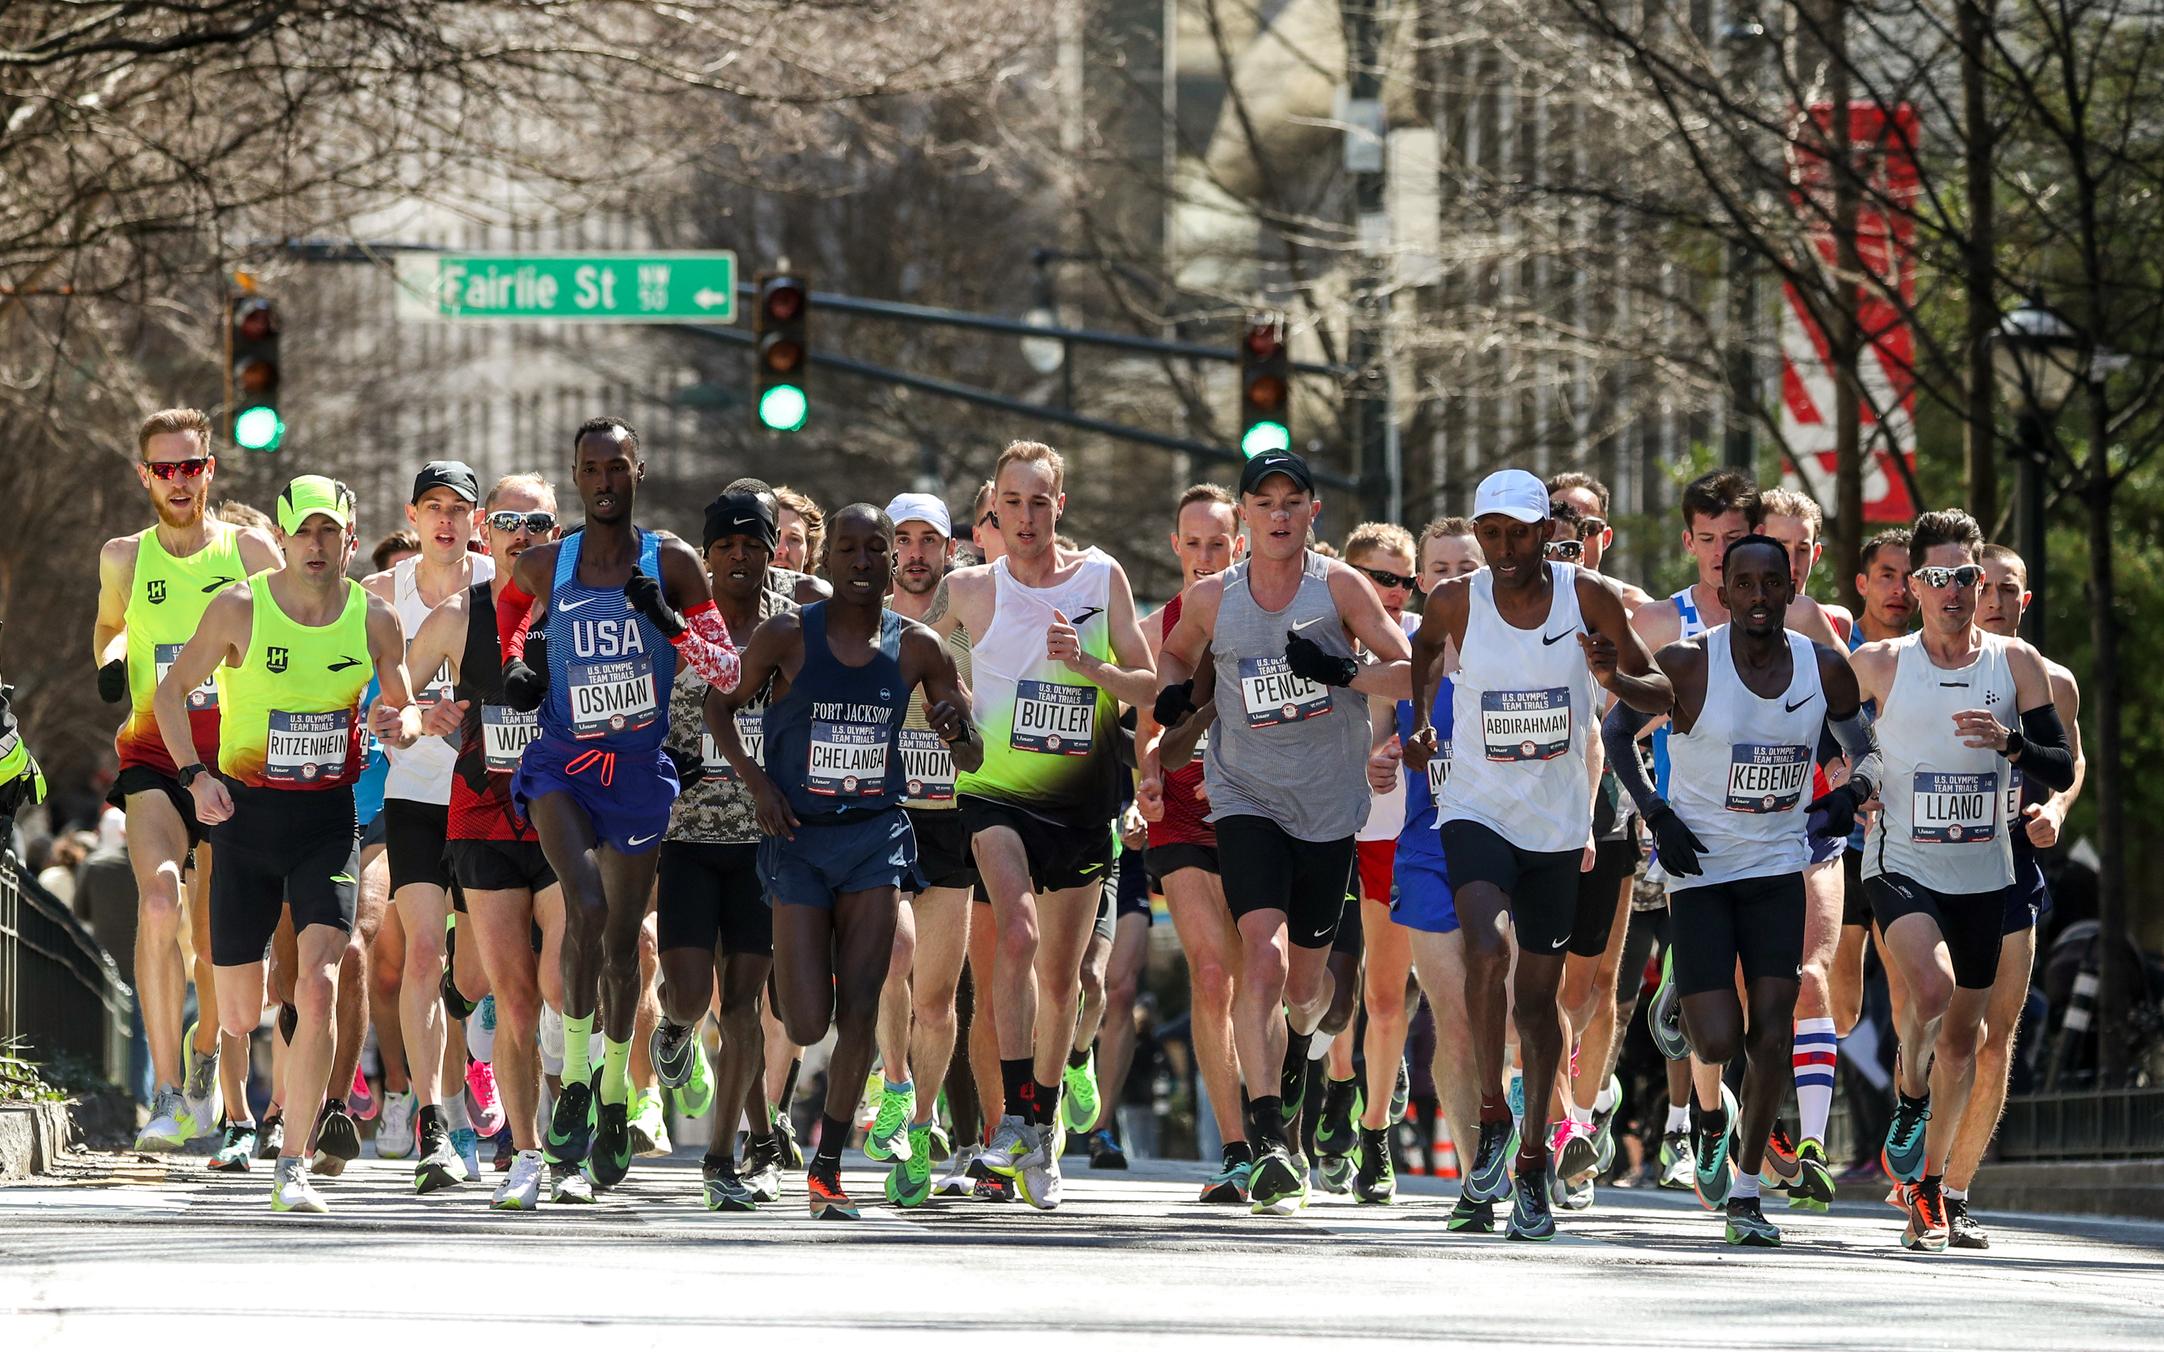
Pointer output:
x,y
574,605
344,664
637,841
1799,703
1546,639
1079,620
342,878
217,584
1305,623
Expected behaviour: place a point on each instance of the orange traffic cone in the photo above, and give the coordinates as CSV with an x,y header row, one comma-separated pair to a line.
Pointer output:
x,y
1443,1154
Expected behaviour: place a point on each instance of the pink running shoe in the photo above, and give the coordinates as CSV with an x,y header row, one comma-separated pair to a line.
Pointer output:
x,y
361,1102
487,1108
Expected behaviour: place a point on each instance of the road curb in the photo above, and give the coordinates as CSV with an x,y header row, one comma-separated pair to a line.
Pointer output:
x,y
2127,1189
32,1135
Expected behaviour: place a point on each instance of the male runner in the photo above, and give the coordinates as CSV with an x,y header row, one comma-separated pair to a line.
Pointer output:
x,y
1056,648
621,607
2034,819
1183,860
1287,777
1517,817
716,931
1751,700
298,646
917,1010
838,843
153,587
1936,859
416,814
494,854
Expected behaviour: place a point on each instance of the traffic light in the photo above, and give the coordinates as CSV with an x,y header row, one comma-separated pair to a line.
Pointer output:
x,y
783,352
1265,387
252,393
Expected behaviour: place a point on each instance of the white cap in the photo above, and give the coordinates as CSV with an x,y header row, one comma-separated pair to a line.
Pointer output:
x,y
921,507
1512,493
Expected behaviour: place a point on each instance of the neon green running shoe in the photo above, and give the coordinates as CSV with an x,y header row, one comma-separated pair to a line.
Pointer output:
x,y
1079,1105
909,1182
890,1137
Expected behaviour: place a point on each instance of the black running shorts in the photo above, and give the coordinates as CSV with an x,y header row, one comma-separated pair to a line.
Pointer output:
x,y
143,779
1265,869
709,896
1757,922
1541,886
281,848
1972,923
1060,856
415,835
943,857
1166,860
1593,925
500,866
1855,897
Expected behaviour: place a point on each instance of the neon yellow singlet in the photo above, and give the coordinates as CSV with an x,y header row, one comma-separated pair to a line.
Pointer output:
x,y
165,605
292,706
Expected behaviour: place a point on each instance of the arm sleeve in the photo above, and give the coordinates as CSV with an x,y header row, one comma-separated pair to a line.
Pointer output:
x,y
1860,745
705,645
514,612
2045,756
1619,738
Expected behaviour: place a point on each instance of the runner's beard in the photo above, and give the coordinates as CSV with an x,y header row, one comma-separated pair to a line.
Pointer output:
x,y
199,503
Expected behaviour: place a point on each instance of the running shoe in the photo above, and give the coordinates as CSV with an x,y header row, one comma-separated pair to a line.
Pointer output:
x,y
502,1151
1036,1170
1489,1178
681,1064
202,1101
1376,1182
1530,1216
568,1186
1779,1167
1571,1194
455,1004
889,1137
1401,1091
487,1104
439,1165
1228,1186
236,1152
649,1125
1903,1155
1813,1189
1471,1215
1105,1151
521,1188
1711,1177
167,1130
338,1140
1677,1162
361,1098
1009,1143
1275,1188
762,1168
823,1191
1571,1143
570,1134
1927,1231
956,1182
1337,1172
1748,1226
1514,1092
792,1148
1336,1135
467,1142
1291,1089
394,1134
291,1190
722,1189
610,1158
271,1138
1664,1017
1603,1138
1079,1104
1300,1171
1962,1230
909,1182
942,1146
993,1188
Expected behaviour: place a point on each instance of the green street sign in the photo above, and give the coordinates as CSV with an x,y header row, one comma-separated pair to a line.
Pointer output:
x,y
609,288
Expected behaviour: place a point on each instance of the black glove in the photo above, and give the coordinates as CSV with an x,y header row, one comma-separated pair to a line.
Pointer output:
x,y
1309,662
1833,813
113,681
524,686
644,594
1174,703
1678,848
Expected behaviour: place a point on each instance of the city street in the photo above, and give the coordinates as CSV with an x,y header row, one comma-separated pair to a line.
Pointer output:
x,y
120,1250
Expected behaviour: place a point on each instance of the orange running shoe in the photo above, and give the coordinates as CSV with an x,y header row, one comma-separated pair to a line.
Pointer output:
x,y
1926,1232
829,1202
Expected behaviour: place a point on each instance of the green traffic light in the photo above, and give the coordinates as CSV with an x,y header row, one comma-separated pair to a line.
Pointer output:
x,y
783,407
258,429
1265,436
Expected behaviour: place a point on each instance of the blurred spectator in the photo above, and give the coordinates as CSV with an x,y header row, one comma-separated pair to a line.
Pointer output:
x,y
66,856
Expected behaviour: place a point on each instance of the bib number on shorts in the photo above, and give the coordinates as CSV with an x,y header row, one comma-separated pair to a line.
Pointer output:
x,y
750,730
1525,725
1055,719
204,696
608,698
927,765
1439,770
1955,809
504,734
1766,778
1273,696
846,760
306,748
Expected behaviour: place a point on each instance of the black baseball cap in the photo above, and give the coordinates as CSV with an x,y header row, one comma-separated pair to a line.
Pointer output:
x,y
1276,462
456,475
741,514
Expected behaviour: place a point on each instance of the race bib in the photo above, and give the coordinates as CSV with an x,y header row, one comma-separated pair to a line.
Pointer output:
x,y
1525,725
927,765
1955,809
610,697
750,730
1765,779
1058,720
1439,770
504,735
846,760
437,689
2013,796
306,748
204,696
1273,696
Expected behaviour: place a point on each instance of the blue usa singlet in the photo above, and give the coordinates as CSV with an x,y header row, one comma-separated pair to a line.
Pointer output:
x,y
610,669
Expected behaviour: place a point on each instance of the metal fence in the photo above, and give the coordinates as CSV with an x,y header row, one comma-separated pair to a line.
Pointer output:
x,y
2085,1124
60,994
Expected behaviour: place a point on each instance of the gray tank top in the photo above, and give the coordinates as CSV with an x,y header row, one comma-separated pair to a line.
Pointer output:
x,y
1285,748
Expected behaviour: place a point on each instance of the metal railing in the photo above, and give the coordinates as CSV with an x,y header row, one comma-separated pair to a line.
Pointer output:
x,y
60,993
2084,1124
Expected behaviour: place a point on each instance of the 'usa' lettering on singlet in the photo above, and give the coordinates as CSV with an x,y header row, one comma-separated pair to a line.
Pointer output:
x,y
927,765
1059,720
1525,725
204,696
504,734
303,748
750,730
1273,696
1954,809
1765,778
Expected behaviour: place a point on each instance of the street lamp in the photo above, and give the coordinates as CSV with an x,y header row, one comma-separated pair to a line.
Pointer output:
x,y
2037,357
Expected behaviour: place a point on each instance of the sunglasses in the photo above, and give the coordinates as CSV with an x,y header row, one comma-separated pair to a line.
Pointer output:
x,y
1565,551
988,519
184,469
1386,579
533,523
1967,575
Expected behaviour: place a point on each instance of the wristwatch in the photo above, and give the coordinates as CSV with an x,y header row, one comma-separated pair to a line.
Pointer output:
x,y
189,771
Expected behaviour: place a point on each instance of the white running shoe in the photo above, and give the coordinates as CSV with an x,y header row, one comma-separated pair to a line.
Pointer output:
x,y
1010,1141
291,1190
165,1131
568,1184
521,1188
394,1129
201,1098
958,1181
1037,1170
